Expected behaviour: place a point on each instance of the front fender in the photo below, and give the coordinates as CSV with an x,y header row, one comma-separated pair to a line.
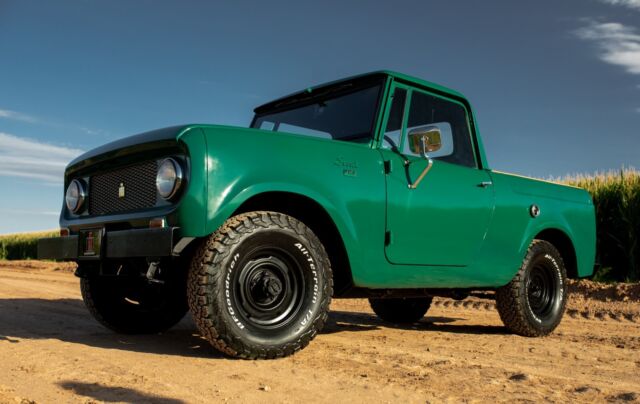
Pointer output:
x,y
235,194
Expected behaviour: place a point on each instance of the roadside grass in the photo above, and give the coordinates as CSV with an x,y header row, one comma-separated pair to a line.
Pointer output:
x,y
22,246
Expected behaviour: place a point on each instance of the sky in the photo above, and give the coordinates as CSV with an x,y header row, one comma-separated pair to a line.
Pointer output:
x,y
555,84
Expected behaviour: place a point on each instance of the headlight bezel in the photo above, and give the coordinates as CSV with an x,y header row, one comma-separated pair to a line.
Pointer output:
x,y
177,181
81,197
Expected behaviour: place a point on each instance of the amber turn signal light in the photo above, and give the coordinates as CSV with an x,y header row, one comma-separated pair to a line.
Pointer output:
x,y
157,223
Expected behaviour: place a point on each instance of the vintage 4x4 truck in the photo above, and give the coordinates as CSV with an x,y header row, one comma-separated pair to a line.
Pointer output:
x,y
375,186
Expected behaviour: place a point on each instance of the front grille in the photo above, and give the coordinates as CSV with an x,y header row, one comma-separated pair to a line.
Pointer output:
x,y
137,182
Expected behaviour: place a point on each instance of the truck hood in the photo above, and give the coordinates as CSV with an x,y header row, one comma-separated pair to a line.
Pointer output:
x,y
155,138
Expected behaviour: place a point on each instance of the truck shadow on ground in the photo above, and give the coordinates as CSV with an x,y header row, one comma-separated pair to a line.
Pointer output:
x,y
356,321
109,394
68,320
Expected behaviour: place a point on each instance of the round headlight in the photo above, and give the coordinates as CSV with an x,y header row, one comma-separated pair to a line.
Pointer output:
x,y
169,178
75,196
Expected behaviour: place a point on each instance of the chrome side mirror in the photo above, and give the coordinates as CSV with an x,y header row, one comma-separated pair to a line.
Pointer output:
x,y
424,140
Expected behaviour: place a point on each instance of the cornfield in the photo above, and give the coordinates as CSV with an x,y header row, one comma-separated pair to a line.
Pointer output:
x,y
616,196
21,246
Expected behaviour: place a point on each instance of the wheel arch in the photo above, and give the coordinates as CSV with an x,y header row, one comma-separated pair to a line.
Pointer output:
x,y
314,215
563,243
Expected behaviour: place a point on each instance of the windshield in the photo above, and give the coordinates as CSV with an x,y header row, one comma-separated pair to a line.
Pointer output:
x,y
330,115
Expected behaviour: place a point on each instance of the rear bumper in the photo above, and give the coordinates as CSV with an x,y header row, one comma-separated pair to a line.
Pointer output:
x,y
115,244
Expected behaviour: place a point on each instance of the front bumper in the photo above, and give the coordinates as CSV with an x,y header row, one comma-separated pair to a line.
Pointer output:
x,y
114,244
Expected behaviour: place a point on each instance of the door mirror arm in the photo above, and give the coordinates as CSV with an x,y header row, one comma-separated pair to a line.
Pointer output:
x,y
423,141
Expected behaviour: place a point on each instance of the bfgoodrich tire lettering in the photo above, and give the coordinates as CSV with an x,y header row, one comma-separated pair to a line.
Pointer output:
x,y
260,286
533,303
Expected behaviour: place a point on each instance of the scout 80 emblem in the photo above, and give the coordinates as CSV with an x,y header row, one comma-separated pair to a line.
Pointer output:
x,y
121,190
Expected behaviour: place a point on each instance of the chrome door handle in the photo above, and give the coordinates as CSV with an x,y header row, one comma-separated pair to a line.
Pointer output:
x,y
485,184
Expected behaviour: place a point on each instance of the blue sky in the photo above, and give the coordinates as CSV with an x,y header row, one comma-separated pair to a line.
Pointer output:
x,y
555,84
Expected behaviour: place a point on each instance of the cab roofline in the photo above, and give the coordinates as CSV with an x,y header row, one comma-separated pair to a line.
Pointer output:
x,y
379,73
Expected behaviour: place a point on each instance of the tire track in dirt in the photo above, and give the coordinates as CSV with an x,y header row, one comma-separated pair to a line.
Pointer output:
x,y
602,315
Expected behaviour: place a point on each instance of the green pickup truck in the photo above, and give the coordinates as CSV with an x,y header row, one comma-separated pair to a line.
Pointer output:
x,y
375,186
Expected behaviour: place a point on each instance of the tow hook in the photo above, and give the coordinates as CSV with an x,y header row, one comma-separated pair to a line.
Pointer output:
x,y
151,273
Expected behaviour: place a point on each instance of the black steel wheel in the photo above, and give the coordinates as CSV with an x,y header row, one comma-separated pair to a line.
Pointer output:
x,y
533,303
542,286
260,286
270,288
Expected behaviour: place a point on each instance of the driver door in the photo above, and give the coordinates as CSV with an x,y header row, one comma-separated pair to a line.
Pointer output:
x,y
445,219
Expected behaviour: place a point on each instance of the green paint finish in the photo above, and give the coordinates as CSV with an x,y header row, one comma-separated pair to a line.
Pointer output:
x,y
191,215
447,233
566,209
266,161
450,232
444,220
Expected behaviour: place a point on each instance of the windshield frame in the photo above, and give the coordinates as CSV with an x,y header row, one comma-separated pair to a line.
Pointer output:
x,y
331,90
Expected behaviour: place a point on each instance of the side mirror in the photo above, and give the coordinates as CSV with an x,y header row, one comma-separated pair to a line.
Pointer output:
x,y
423,140
426,139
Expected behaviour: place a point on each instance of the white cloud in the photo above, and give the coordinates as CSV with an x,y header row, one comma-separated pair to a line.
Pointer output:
x,y
25,158
619,44
627,3
22,117
17,116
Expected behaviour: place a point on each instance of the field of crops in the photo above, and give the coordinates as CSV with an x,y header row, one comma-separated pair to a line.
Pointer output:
x,y
616,195
21,246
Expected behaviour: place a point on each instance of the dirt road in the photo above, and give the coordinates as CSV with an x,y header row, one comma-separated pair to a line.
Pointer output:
x,y
52,351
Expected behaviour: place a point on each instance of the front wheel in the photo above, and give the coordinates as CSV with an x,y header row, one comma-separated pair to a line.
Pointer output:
x,y
260,286
533,303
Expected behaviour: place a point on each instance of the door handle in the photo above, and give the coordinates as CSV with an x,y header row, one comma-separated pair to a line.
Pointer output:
x,y
485,184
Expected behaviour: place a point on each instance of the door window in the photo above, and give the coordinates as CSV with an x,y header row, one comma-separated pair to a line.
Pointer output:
x,y
451,118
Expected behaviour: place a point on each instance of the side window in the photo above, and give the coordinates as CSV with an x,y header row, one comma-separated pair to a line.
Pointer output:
x,y
451,119
393,132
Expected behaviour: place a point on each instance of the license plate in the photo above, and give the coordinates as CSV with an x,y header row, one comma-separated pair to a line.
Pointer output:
x,y
90,241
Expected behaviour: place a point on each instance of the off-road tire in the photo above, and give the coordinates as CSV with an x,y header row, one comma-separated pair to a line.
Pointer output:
x,y
401,310
110,301
533,303
226,286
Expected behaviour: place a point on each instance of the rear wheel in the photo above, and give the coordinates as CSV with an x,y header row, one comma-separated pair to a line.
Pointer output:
x,y
132,305
401,311
533,303
260,286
